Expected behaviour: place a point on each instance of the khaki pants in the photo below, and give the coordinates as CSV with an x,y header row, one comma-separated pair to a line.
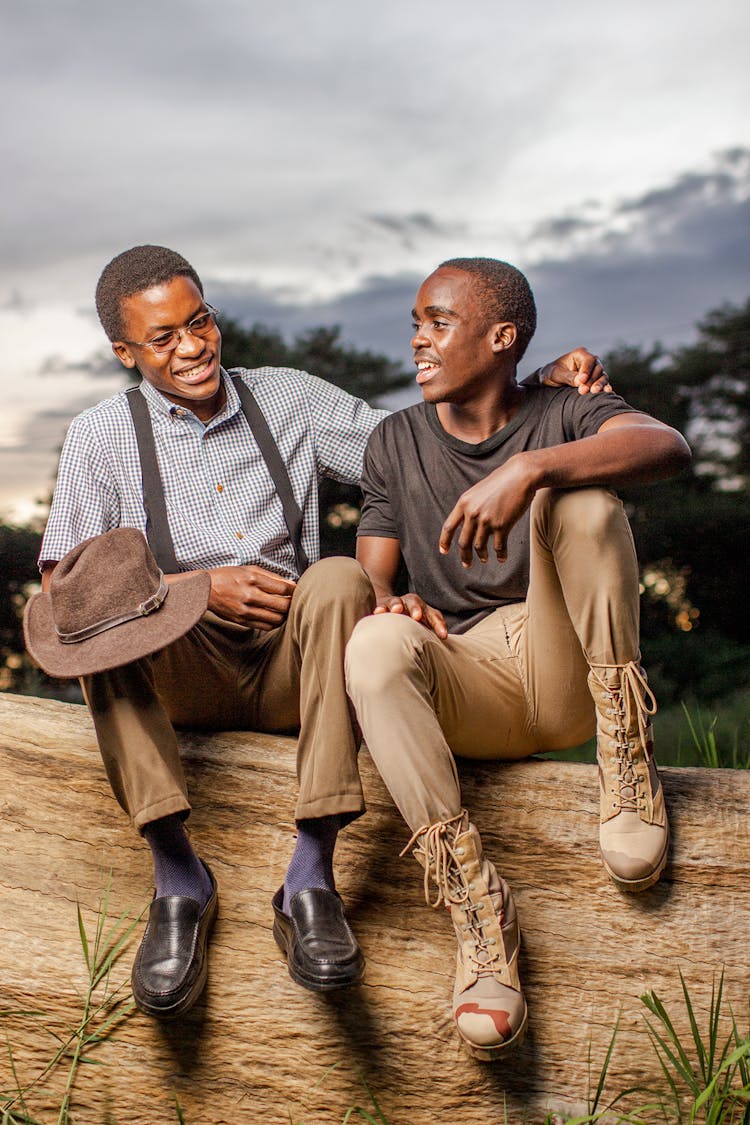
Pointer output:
x,y
516,682
222,676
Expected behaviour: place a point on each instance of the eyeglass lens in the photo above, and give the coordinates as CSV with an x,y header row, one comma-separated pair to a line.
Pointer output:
x,y
198,326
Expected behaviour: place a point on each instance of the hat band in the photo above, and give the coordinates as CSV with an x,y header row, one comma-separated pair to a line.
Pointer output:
x,y
151,604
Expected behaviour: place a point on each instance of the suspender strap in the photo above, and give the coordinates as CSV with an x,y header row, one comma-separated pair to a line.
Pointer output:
x,y
276,467
157,525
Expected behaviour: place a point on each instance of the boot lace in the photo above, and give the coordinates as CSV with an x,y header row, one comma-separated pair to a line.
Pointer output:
x,y
442,863
435,842
633,698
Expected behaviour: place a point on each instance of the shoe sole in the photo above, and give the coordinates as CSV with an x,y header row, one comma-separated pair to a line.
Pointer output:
x,y
491,1054
314,984
186,1002
635,886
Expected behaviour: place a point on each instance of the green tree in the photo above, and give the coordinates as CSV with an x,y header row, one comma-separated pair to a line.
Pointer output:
x,y
693,532
715,374
19,550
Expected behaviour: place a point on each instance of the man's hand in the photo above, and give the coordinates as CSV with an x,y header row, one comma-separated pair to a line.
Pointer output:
x,y
490,508
250,595
576,369
416,609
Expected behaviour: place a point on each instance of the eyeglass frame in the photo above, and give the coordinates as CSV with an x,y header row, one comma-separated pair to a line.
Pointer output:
x,y
178,332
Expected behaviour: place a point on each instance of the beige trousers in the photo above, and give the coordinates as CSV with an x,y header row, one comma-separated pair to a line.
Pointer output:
x,y
516,682
222,676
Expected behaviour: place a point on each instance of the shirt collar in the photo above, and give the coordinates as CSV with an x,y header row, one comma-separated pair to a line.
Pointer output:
x,y
159,402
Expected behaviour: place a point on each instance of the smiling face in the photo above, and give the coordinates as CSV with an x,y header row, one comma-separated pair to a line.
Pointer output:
x,y
189,376
457,353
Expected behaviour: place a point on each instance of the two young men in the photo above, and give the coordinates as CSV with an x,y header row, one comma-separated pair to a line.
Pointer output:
x,y
221,473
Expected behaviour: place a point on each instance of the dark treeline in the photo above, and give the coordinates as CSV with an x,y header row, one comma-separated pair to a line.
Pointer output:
x,y
692,533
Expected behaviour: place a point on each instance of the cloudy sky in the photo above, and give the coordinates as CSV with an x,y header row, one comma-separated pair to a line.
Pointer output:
x,y
314,161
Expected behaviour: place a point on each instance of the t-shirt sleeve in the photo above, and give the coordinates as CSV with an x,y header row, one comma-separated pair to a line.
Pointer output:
x,y
584,415
377,514
85,500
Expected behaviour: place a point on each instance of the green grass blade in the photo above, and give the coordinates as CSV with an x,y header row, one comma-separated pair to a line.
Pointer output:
x,y
710,1091
705,1059
362,1113
605,1066
667,1073
678,1057
178,1108
381,1116
82,935
115,944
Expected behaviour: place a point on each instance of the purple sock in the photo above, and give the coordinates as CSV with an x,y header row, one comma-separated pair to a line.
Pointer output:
x,y
312,861
177,869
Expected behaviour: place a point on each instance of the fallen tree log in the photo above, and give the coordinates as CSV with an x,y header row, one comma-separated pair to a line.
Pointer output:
x,y
257,1047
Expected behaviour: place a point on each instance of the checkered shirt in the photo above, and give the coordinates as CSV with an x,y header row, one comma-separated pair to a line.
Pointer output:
x,y
222,504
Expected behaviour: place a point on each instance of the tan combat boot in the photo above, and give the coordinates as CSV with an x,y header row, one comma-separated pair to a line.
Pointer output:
x,y
488,1004
634,830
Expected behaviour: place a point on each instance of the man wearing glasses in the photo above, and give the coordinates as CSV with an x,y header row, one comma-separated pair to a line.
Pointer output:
x,y
221,472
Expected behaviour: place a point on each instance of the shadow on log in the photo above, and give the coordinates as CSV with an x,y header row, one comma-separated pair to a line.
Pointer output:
x,y
257,1047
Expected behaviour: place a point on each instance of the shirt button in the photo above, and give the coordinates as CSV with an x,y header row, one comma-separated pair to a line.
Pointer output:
x,y
219,487
240,535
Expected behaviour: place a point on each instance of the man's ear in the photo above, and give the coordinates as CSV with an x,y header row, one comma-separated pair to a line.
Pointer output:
x,y
123,353
503,336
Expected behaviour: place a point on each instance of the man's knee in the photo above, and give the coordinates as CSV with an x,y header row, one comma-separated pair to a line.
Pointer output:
x,y
592,514
336,580
382,648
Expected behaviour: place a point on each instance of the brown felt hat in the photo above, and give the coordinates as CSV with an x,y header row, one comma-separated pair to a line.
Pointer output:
x,y
108,604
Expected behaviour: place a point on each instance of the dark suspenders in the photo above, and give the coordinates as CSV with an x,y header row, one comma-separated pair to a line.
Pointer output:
x,y
157,524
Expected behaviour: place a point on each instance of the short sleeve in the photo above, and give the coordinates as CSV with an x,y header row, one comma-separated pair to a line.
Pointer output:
x,y
584,415
377,515
85,500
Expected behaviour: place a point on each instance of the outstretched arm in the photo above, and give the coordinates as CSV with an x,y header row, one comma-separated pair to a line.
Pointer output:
x,y
628,449
380,559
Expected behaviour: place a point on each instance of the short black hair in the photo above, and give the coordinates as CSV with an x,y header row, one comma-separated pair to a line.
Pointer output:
x,y
506,292
131,272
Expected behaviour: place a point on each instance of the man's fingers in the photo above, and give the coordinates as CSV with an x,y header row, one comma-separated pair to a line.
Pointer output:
x,y
480,543
390,605
436,621
466,545
501,547
448,529
270,583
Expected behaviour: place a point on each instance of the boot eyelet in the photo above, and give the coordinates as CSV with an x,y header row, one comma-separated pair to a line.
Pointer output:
x,y
459,851
464,867
471,886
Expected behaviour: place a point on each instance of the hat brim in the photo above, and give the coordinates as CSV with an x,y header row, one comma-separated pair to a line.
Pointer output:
x,y
183,608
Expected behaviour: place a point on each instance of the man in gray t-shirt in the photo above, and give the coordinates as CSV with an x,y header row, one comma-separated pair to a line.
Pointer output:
x,y
536,647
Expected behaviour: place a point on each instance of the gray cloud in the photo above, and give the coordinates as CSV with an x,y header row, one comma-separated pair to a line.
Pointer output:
x,y
619,287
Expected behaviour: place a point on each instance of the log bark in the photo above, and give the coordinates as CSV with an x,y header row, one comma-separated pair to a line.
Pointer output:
x,y
258,1048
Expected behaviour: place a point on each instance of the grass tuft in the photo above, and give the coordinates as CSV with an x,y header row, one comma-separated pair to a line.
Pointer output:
x,y
104,1008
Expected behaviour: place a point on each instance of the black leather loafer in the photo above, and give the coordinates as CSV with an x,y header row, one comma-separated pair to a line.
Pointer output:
x,y
171,965
321,950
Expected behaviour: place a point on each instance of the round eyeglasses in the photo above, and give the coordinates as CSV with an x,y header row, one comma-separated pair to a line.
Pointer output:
x,y
200,325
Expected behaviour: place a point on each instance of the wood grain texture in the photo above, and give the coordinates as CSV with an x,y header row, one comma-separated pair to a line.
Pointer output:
x,y
257,1045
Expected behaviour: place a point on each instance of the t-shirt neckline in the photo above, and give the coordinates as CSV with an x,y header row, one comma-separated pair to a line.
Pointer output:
x,y
490,444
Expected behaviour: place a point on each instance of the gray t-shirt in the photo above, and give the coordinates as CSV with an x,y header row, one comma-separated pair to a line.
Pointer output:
x,y
414,473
